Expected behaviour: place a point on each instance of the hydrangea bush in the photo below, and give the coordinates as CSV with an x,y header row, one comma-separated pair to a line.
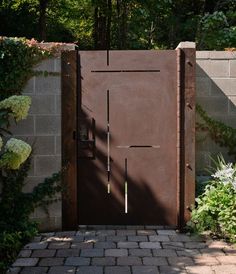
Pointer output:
x,y
215,211
16,153
18,105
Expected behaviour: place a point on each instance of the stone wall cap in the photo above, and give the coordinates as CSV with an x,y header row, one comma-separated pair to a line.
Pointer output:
x,y
216,55
186,44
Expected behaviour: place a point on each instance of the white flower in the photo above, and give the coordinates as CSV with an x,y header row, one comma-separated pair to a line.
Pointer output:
x,y
16,153
226,174
18,104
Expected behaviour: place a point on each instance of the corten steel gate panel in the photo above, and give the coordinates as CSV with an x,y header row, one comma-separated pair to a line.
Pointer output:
x,y
127,149
128,137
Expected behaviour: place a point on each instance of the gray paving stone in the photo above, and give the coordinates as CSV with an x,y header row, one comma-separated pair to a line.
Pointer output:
x,y
47,234
145,270
136,227
24,253
159,238
145,232
104,261
154,261
212,252
61,269
180,261
224,269
206,260
137,238
166,232
25,262
181,238
34,270
116,227
77,238
59,245
127,245
173,245
13,270
82,245
43,253
105,245
172,270
195,245
51,261
116,252
86,233
199,269
90,270
117,270
126,232
67,252
106,232
152,245
96,252
38,245
154,227
188,252
129,261
77,261
65,233
140,252
164,252
94,238
116,238
228,251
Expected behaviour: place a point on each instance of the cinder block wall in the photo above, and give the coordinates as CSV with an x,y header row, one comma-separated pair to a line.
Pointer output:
x,y
216,92
42,129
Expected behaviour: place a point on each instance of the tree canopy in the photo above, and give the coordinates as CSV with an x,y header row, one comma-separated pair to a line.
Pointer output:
x,y
122,24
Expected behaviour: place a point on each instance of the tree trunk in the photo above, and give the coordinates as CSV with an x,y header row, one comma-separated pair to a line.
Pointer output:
x,y
108,33
124,25
42,19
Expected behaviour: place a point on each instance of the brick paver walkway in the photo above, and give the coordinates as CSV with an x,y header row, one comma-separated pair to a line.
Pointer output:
x,y
133,250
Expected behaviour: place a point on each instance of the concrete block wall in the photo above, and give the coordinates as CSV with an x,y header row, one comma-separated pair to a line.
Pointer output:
x,y
42,129
216,93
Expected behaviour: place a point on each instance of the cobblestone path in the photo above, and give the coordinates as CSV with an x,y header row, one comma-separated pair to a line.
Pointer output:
x,y
124,250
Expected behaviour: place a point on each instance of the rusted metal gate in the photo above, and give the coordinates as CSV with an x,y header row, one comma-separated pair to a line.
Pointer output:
x,y
128,136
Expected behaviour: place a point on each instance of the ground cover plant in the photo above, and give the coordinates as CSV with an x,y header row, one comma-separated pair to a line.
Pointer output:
x,y
215,210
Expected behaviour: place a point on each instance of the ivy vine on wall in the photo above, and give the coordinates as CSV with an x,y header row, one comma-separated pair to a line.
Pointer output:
x,y
18,56
223,135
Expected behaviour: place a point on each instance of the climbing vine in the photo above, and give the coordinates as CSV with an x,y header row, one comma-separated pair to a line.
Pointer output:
x,y
18,56
223,135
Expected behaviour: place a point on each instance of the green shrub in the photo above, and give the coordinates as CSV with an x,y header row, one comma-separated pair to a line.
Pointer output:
x,y
216,207
18,57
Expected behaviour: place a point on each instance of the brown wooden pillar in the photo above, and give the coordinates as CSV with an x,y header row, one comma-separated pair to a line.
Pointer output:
x,y
187,64
69,85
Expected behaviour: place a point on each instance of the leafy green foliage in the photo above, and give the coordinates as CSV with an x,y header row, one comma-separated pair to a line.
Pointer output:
x,y
10,244
18,56
216,206
216,32
135,24
223,135
16,228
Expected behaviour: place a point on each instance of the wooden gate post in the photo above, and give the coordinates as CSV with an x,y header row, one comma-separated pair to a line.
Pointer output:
x,y
187,63
69,144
